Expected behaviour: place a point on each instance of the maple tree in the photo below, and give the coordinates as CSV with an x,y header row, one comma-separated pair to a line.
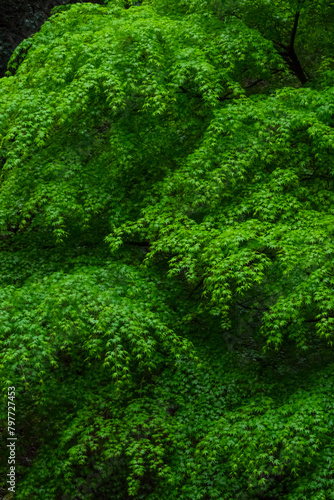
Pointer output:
x,y
167,217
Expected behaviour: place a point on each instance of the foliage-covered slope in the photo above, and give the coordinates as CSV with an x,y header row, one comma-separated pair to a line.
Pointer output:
x,y
167,218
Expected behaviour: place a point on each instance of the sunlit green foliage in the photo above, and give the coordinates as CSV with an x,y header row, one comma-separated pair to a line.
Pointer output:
x,y
167,223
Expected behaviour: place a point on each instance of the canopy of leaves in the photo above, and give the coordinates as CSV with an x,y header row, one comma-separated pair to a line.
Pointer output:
x,y
166,241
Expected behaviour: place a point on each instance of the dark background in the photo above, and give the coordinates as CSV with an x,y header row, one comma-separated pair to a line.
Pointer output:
x,y
21,18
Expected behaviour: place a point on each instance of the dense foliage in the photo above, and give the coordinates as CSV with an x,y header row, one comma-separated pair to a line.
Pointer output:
x,y
167,224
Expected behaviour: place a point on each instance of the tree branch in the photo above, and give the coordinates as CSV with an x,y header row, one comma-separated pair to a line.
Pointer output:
x,y
289,53
294,30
